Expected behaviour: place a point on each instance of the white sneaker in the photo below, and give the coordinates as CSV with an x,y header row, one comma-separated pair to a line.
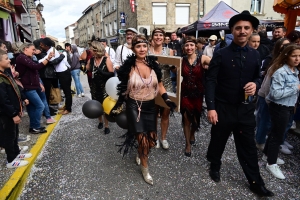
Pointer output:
x,y
157,144
294,125
79,95
278,162
284,149
288,145
275,170
165,144
24,156
260,146
17,163
82,94
23,149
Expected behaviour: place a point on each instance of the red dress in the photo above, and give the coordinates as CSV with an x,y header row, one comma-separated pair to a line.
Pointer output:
x,y
192,90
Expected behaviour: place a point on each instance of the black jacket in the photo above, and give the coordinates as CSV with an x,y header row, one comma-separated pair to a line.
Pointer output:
x,y
49,70
229,71
10,96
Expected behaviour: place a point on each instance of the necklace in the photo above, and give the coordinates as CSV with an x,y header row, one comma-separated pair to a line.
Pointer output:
x,y
141,61
147,87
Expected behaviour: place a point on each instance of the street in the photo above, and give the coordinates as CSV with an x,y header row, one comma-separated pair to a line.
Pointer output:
x,y
80,162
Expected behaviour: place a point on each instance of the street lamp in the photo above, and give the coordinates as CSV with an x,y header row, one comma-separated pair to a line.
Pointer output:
x,y
40,7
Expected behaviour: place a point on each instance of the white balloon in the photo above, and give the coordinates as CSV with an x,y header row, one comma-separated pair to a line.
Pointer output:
x,y
111,87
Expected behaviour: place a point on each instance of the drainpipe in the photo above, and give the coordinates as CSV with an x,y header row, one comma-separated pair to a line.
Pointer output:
x,y
118,23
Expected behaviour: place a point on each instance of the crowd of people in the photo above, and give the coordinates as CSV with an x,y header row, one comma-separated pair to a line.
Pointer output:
x,y
249,83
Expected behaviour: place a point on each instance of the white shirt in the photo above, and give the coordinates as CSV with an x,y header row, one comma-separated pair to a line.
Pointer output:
x,y
119,59
60,67
111,53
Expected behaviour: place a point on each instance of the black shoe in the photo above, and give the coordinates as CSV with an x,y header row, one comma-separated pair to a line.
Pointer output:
x,y
100,125
73,92
188,154
214,175
53,113
192,142
37,131
52,109
261,190
106,131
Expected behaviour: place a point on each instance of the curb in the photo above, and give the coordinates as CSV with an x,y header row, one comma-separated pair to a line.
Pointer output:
x,y
13,187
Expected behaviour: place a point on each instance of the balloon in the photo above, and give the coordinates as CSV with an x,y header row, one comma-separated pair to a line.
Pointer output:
x,y
121,120
92,109
108,104
111,87
110,118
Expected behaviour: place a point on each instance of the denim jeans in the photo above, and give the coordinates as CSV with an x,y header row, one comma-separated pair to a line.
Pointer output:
x,y
263,120
44,100
35,108
280,116
76,76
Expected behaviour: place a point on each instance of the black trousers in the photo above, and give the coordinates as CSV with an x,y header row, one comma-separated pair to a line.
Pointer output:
x,y
240,120
9,134
65,80
280,116
48,83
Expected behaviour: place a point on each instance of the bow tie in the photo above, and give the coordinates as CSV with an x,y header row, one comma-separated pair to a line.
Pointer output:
x,y
242,49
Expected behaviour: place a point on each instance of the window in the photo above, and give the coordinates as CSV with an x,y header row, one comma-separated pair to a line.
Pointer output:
x,y
257,6
182,14
115,27
159,13
110,29
106,30
228,2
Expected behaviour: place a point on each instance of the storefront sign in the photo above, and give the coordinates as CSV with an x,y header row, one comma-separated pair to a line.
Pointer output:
x,y
122,17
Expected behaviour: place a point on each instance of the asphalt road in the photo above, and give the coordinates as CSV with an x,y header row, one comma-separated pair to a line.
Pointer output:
x,y
80,162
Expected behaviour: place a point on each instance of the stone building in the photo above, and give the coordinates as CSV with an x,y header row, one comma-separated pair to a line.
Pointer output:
x,y
85,26
170,15
70,33
262,9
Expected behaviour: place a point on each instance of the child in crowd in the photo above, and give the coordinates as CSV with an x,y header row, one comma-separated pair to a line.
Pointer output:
x,y
10,115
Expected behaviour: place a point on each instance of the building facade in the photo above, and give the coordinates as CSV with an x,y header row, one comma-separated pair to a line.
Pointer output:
x,y
70,33
170,15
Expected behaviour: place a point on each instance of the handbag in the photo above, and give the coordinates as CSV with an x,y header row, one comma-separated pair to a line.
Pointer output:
x,y
55,96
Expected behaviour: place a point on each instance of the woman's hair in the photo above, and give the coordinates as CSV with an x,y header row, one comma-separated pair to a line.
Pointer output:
x,y
283,58
98,49
24,46
189,39
59,48
16,46
8,46
253,34
293,36
136,39
158,30
276,51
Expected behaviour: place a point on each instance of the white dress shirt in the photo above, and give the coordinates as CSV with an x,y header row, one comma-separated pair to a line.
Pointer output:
x,y
119,59
60,67
111,53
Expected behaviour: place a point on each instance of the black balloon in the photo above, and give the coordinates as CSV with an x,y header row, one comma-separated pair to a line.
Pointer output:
x,y
110,118
92,109
121,120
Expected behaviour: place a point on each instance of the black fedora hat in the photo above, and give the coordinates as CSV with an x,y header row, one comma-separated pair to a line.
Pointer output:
x,y
245,16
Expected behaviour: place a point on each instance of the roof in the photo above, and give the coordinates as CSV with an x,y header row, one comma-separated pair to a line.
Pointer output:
x,y
88,8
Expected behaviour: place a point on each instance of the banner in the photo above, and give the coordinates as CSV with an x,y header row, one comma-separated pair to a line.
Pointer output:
x,y
132,5
122,17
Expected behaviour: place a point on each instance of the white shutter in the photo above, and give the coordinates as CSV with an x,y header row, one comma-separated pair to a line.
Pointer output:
x,y
159,13
182,14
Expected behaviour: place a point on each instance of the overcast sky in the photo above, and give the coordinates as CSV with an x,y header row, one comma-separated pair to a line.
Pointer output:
x,y
60,13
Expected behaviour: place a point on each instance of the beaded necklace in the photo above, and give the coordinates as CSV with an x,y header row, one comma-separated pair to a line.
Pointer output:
x,y
147,87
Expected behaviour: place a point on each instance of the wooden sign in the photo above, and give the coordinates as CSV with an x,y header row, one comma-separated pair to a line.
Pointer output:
x,y
166,62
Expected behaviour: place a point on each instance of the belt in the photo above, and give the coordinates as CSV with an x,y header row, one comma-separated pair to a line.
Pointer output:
x,y
282,105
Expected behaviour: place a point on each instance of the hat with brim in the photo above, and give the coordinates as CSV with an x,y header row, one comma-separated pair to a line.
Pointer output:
x,y
132,30
244,16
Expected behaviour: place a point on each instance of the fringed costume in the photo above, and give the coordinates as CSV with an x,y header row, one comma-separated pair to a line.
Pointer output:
x,y
192,90
139,94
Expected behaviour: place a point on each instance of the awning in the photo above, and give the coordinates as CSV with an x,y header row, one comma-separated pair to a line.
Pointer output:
x,y
4,15
27,36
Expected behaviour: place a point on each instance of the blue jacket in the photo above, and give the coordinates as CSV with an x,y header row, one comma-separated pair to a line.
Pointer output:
x,y
228,40
284,86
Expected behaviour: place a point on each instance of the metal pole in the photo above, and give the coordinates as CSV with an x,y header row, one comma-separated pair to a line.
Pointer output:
x,y
29,18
